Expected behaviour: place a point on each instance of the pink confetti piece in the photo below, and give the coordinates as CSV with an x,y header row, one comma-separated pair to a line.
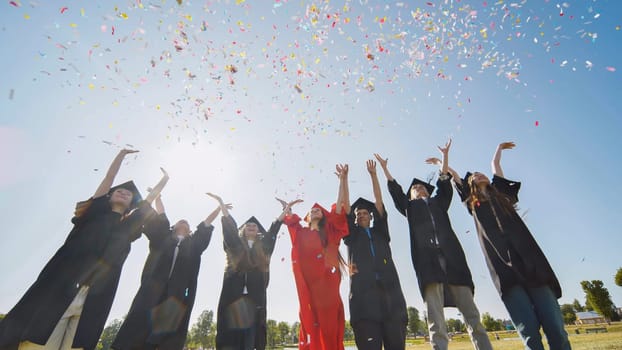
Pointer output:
x,y
14,3
537,123
611,69
63,9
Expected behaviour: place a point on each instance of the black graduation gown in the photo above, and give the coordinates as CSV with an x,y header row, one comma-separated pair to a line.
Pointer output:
x,y
237,311
512,254
160,313
425,233
92,255
375,290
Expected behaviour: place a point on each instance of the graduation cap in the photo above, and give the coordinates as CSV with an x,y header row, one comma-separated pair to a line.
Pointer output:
x,y
325,212
363,203
130,186
254,220
427,186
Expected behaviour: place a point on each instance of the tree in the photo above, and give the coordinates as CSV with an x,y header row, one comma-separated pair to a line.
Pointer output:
x,y
108,334
272,333
598,297
414,323
455,325
283,332
490,323
618,278
577,306
295,332
203,332
348,333
568,313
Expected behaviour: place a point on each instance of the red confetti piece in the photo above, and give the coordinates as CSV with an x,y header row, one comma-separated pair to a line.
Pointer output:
x,y
537,123
14,3
63,9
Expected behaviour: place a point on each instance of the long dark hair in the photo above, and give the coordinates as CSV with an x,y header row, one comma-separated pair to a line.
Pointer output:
x,y
324,239
250,257
476,195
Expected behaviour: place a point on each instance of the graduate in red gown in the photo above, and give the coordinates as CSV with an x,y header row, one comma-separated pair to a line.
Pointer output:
x,y
317,270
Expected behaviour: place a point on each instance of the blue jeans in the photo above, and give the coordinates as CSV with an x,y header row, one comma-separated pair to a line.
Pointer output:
x,y
532,308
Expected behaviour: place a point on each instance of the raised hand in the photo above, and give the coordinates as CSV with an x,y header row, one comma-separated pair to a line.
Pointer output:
x,y
383,162
341,170
164,173
127,151
216,197
433,161
283,203
371,166
507,145
445,150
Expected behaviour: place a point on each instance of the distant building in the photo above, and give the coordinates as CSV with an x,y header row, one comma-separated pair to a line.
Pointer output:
x,y
589,317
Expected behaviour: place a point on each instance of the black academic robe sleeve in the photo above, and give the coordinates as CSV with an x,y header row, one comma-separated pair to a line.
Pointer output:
x,y
399,197
508,187
157,230
231,239
269,239
444,192
201,237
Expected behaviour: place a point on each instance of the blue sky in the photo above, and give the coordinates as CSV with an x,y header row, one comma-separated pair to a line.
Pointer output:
x,y
316,83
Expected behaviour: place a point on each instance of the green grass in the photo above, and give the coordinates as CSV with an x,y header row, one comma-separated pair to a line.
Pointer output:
x,y
612,340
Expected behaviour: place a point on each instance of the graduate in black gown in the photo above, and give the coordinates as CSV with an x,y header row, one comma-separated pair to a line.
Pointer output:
x,y
518,267
437,256
377,307
68,304
160,313
241,317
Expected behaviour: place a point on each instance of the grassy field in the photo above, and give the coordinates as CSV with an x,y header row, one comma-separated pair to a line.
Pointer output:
x,y
611,340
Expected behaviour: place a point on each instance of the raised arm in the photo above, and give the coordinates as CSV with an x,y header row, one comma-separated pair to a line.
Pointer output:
x,y
159,205
383,165
287,207
106,183
371,168
342,200
496,159
157,189
214,214
223,207
400,200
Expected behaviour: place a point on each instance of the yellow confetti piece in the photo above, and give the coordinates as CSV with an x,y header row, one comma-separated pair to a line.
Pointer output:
x,y
237,2
123,15
188,17
91,86
73,25
82,12
157,107
26,16
110,126
317,60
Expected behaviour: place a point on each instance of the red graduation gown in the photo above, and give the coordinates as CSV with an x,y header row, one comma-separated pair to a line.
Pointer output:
x,y
317,275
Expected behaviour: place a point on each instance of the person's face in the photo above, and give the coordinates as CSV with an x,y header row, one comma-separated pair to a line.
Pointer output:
x,y
316,214
480,179
181,228
251,230
419,191
122,197
363,218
